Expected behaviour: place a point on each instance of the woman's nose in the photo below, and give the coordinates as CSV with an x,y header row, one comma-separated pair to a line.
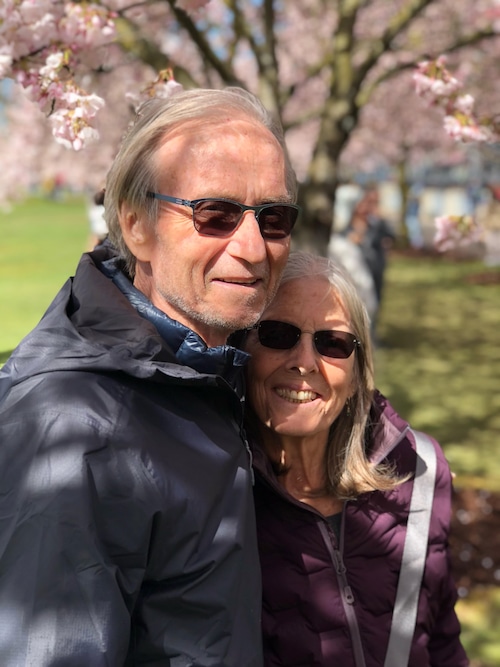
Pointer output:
x,y
304,357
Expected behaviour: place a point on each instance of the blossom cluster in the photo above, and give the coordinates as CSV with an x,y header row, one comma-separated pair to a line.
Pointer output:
x,y
45,46
41,42
456,230
435,83
162,87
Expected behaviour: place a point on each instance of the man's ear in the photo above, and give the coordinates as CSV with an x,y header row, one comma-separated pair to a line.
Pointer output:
x,y
137,233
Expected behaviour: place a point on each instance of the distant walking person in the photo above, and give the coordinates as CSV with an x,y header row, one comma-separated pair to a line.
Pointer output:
x,y
374,236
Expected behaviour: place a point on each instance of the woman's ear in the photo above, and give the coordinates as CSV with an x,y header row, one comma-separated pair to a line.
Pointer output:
x,y
137,233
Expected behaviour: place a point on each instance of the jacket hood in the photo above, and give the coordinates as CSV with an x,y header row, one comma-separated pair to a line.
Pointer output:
x,y
99,322
388,429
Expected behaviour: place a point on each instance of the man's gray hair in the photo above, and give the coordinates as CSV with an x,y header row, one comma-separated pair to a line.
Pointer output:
x,y
134,171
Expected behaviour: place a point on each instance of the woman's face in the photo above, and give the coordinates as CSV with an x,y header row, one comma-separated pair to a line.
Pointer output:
x,y
299,392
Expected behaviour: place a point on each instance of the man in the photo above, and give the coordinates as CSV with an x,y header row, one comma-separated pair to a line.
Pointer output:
x,y
127,532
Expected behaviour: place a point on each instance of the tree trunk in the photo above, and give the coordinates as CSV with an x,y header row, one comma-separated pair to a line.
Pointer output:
x,y
315,226
317,195
404,189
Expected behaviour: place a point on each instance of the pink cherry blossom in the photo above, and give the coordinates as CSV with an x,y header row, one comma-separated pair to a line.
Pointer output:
x,y
43,45
434,81
453,231
40,43
465,104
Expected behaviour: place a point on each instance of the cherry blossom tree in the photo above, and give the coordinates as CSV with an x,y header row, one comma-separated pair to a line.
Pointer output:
x,y
435,83
416,142
318,64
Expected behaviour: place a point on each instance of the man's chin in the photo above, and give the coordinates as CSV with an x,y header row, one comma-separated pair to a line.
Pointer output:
x,y
234,321
215,327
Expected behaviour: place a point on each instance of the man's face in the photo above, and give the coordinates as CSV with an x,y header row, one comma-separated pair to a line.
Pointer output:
x,y
214,285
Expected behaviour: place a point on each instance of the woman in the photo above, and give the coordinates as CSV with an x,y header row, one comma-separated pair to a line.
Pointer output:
x,y
335,469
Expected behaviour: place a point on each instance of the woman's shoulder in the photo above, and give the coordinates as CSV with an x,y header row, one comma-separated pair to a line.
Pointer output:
x,y
396,438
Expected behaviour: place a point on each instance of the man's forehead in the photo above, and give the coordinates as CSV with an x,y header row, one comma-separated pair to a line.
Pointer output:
x,y
204,129
200,136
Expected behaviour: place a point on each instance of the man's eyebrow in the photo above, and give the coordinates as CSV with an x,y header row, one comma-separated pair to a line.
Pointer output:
x,y
284,199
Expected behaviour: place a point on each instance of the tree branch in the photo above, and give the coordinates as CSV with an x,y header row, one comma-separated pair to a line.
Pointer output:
x,y
397,25
366,93
225,72
264,54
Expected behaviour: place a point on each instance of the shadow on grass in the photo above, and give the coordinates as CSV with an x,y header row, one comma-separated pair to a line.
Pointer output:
x,y
479,616
462,422
475,553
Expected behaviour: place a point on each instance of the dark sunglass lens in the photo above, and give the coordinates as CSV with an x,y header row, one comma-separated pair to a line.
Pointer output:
x,y
335,344
214,217
278,335
276,221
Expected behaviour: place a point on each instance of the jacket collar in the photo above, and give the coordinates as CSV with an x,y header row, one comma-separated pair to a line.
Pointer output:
x,y
189,349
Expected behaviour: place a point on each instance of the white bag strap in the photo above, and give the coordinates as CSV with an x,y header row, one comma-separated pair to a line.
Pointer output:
x,y
414,554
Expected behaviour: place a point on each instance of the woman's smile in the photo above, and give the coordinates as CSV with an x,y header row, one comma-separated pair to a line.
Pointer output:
x,y
294,396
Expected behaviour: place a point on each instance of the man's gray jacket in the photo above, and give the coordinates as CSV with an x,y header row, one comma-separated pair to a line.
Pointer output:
x,y
127,530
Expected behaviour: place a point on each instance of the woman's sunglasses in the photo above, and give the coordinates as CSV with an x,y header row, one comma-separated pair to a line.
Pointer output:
x,y
284,336
221,217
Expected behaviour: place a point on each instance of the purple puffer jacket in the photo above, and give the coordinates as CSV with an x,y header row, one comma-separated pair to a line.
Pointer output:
x,y
328,603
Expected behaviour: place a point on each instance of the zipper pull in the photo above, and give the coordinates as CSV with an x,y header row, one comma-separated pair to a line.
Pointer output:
x,y
341,570
348,594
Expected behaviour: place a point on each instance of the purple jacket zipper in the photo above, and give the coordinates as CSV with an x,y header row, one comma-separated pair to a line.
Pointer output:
x,y
345,591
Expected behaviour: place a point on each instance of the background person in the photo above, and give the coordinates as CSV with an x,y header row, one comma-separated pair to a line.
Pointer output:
x,y
335,468
374,236
127,521
348,254
98,226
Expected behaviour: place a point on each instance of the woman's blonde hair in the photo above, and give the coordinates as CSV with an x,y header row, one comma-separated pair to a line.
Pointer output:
x,y
348,469
134,171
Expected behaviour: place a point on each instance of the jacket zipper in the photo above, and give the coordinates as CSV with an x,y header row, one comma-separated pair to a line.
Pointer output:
x,y
346,593
243,435
250,455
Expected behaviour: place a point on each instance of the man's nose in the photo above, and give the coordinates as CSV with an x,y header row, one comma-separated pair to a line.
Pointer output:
x,y
247,241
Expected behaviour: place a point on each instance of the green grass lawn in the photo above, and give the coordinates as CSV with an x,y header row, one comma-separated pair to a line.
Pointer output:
x,y
479,615
439,363
40,244
440,359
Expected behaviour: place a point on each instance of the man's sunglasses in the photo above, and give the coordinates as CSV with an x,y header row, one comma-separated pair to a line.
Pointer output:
x,y
221,217
284,336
